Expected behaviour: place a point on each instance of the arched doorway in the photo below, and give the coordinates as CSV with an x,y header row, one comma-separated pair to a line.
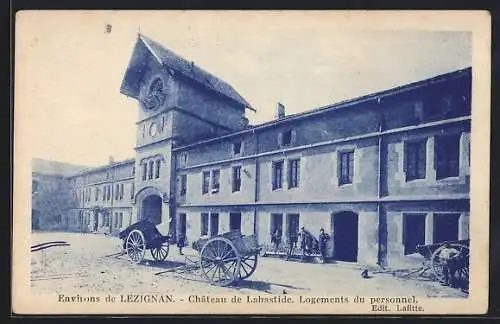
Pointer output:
x,y
345,236
151,208
35,219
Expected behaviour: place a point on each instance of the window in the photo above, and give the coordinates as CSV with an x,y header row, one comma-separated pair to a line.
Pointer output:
x,y
121,191
150,170
215,181
108,197
144,170
277,175
183,160
447,156
121,220
293,173
157,170
446,227
235,222
104,193
97,194
237,148
413,232
236,178
117,191
183,184
214,224
346,167
132,189
415,158
206,182
286,138
204,224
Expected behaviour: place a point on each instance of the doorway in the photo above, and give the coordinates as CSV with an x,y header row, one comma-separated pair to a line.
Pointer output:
x,y
214,224
181,225
292,225
345,236
413,232
151,209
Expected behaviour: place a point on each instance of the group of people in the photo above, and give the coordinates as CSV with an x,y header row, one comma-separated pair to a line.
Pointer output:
x,y
309,244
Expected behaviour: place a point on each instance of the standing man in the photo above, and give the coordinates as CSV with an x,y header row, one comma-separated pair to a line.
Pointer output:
x,y
449,256
323,240
306,240
276,239
180,242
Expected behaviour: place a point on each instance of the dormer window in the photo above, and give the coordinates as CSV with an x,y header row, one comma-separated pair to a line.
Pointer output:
x,y
286,138
237,148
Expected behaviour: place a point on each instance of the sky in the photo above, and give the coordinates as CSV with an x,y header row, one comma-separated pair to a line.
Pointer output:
x,y
68,105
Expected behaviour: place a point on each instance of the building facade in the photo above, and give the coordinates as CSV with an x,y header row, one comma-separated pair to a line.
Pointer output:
x,y
382,173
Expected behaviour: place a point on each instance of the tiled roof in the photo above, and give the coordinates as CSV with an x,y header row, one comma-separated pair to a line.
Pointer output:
x,y
189,69
104,167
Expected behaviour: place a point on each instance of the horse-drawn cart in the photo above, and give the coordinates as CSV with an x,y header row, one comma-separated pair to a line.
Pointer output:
x,y
435,263
227,258
223,259
142,236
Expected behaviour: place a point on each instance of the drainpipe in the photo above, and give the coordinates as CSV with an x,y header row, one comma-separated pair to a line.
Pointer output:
x,y
257,176
382,226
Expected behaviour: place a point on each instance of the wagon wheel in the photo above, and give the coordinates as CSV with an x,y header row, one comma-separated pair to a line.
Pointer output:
x,y
248,266
220,261
135,246
463,269
160,253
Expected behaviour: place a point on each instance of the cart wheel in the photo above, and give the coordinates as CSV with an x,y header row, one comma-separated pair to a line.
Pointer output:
x,y
160,253
135,246
248,266
220,261
463,269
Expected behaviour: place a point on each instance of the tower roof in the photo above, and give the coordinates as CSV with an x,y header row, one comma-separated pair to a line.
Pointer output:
x,y
167,58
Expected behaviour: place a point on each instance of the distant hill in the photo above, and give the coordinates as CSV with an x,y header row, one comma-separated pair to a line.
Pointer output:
x,y
55,168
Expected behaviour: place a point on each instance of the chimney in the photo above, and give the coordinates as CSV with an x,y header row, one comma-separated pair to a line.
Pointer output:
x,y
111,160
280,111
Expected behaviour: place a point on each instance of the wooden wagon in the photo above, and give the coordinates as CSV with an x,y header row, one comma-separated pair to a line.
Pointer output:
x,y
142,236
223,259
227,258
432,252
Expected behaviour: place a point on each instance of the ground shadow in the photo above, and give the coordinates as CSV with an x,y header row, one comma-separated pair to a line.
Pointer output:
x,y
262,286
167,264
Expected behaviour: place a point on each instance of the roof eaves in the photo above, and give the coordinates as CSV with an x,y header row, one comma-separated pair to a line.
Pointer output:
x,y
338,105
155,55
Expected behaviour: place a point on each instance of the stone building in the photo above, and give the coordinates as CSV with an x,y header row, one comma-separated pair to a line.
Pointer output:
x,y
382,173
51,199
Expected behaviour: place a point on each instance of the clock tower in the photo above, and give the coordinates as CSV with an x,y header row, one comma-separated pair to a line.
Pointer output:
x,y
179,103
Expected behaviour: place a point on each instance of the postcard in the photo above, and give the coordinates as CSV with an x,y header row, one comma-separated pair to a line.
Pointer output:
x,y
251,162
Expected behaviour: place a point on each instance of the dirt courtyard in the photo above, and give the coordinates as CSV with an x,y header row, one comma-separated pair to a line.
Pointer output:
x,y
83,267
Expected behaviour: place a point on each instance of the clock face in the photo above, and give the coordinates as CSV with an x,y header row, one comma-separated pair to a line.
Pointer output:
x,y
153,129
156,95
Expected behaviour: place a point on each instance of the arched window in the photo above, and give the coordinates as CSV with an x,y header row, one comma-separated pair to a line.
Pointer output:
x,y
150,171
144,170
157,170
